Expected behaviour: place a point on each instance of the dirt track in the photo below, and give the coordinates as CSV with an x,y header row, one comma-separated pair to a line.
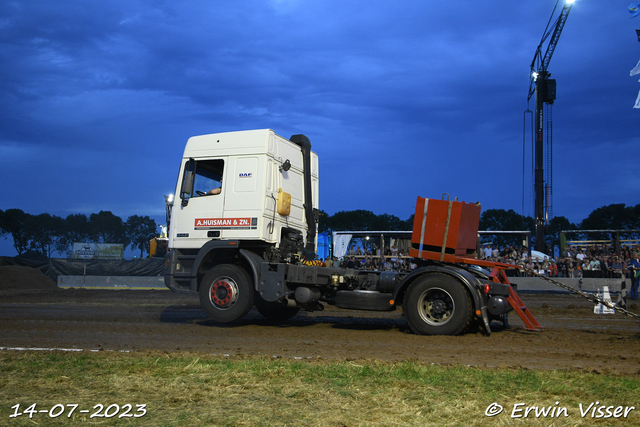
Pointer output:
x,y
574,337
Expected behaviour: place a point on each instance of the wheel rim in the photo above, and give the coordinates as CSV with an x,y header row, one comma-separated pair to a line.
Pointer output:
x,y
224,292
436,306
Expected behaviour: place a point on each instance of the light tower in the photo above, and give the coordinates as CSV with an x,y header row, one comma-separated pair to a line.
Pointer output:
x,y
545,90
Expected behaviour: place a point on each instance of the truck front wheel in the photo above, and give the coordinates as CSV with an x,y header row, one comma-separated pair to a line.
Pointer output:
x,y
437,304
226,294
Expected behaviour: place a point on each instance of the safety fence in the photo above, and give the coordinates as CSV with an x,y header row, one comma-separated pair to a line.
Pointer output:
x,y
54,267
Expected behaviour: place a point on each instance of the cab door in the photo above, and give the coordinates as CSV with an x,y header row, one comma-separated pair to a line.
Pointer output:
x,y
201,201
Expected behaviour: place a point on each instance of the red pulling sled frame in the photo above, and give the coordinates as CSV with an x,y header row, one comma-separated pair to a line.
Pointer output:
x,y
447,231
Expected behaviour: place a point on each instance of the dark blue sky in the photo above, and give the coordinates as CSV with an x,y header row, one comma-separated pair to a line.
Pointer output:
x,y
399,99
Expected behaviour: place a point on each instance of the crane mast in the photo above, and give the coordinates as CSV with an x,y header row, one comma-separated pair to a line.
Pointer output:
x,y
544,89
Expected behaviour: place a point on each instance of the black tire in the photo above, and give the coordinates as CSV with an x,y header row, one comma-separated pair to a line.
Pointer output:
x,y
275,311
226,293
437,304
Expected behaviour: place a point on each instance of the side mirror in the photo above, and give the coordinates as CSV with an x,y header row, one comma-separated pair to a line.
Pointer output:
x,y
187,185
286,165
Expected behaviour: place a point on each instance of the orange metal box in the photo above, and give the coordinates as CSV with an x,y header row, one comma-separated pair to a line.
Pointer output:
x,y
444,230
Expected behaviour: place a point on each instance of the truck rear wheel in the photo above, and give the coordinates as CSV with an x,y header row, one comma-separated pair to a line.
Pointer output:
x,y
437,304
226,293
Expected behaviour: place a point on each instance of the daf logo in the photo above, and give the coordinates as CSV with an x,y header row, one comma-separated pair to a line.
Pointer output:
x,y
245,175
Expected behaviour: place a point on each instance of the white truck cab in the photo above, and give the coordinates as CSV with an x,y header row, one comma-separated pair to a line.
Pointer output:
x,y
229,188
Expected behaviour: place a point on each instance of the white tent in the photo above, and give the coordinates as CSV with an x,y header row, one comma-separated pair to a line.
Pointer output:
x,y
539,256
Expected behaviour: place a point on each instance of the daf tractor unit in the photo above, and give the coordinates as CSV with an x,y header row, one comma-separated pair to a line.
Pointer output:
x,y
242,233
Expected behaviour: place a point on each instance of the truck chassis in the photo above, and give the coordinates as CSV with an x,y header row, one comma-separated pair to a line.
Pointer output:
x,y
437,298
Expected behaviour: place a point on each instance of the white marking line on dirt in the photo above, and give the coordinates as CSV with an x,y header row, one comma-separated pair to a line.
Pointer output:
x,y
129,351
54,349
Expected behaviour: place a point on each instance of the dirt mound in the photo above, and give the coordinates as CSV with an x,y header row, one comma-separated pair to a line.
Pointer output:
x,y
14,278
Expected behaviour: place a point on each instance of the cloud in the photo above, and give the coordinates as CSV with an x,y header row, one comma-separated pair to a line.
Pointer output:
x,y
400,99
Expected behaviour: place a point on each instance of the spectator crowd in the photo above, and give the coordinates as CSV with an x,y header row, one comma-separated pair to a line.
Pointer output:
x,y
597,261
391,258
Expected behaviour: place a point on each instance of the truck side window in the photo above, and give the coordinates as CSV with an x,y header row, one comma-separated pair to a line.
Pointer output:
x,y
207,177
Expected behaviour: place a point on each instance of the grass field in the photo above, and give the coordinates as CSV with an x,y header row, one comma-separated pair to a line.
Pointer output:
x,y
206,390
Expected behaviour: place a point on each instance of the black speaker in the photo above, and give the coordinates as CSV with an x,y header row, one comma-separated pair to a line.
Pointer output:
x,y
550,90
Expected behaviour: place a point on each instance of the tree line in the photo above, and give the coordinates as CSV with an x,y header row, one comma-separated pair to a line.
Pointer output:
x,y
362,220
48,234
617,216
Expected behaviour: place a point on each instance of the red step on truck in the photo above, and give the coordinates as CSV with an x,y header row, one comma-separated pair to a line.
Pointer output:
x,y
243,225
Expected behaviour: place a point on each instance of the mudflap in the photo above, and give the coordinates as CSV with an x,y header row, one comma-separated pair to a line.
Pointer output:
x,y
485,320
